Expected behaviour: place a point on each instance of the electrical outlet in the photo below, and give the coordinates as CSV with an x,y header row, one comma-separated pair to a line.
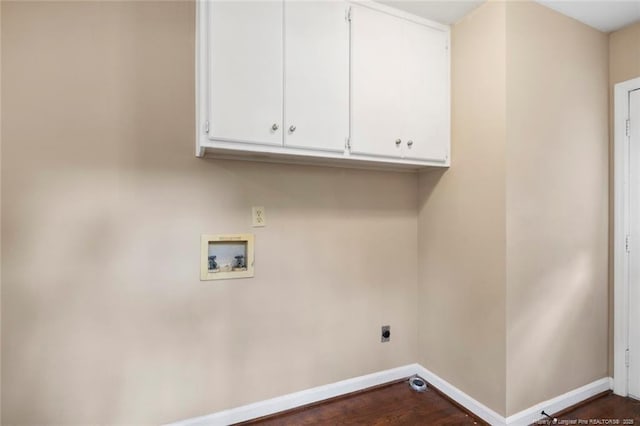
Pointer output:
x,y
385,334
259,216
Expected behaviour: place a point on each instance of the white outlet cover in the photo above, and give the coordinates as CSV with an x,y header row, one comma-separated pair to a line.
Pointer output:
x,y
259,218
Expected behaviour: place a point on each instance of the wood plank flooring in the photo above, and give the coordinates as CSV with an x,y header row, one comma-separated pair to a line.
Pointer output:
x,y
397,404
392,404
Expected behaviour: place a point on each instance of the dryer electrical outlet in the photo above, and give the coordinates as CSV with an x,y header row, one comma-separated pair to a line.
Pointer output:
x,y
385,334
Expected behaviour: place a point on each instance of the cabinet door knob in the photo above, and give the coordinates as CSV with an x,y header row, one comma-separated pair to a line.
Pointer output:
x,y
274,127
398,142
409,143
292,129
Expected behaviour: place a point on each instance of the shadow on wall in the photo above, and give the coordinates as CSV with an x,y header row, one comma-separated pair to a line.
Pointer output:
x,y
428,181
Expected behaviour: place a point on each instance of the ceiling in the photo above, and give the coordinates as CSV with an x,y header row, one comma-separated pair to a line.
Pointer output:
x,y
604,15
445,12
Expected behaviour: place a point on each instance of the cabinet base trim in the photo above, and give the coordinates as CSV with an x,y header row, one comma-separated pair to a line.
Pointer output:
x,y
293,156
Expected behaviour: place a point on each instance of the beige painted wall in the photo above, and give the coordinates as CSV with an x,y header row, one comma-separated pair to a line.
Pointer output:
x,y
462,221
103,203
512,247
624,54
624,64
104,319
557,169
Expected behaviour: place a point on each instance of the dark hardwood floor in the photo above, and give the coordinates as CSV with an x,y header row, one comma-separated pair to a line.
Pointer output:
x,y
397,404
391,404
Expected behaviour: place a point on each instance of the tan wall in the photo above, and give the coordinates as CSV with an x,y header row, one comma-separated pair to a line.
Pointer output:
x,y
556,204
103,203
624,54
624,64
462,221
104,317
512,247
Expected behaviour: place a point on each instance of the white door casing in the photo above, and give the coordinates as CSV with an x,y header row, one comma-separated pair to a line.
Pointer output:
x,y
633,373
626,374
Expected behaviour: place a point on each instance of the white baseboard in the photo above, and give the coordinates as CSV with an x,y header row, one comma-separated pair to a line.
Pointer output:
x,y
524,417
476,407
298,399
309,396
559,403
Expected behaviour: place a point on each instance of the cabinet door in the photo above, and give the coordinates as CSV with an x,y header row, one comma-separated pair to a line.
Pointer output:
x,y
376,79
246,88
316,75
425,104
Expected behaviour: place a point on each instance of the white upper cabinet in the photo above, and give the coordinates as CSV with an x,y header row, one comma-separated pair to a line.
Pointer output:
x,y
400,87
339,82
245,74
425,106
377,55
316,75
